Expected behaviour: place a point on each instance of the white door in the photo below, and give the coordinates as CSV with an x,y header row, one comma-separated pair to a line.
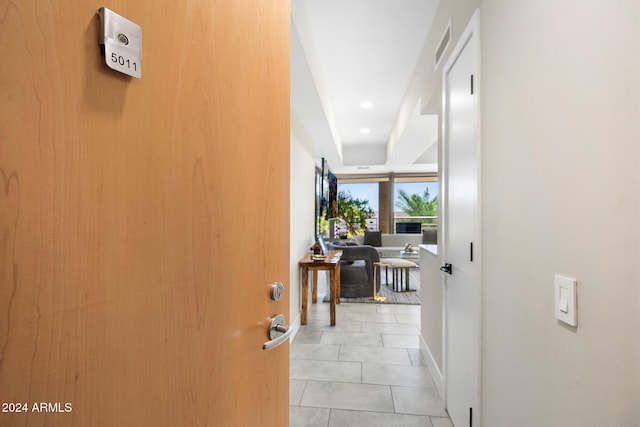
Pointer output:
x,y
460,231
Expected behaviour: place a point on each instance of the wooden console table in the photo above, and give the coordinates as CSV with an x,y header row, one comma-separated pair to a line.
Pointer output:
x,y
330,264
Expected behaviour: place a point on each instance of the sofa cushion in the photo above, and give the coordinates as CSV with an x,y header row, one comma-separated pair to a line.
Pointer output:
x,y
401,240
394,240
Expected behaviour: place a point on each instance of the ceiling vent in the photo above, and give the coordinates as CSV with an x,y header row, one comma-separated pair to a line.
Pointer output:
x,y
445,40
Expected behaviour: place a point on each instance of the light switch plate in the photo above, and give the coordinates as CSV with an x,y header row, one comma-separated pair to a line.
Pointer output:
x,y
566,306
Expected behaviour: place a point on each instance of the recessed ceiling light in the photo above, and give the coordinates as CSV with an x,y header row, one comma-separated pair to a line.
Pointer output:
x,y
366,104
365,131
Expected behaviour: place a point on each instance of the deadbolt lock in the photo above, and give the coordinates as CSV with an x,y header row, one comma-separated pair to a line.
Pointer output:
x,y
277,291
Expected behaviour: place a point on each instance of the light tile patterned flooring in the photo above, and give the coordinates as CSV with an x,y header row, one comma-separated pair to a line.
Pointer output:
x,y
365,371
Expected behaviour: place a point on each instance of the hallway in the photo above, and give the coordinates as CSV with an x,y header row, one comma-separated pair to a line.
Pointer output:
x,y
365,371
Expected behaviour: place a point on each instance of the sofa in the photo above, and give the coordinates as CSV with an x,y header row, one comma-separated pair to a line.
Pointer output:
x,y
390,245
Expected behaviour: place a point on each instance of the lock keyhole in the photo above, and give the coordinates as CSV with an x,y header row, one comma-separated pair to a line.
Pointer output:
x,y
277,291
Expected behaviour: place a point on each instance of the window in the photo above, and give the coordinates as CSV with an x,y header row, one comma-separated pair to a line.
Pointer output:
x,y
394,199
415,200
368,191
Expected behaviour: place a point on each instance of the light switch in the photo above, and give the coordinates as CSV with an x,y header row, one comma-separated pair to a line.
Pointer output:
x,y
564,305
566,300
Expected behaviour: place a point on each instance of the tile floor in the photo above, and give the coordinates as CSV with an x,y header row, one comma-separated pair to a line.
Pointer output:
x,y
365,371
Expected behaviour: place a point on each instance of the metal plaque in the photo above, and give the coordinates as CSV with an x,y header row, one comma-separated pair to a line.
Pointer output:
x,y
121,43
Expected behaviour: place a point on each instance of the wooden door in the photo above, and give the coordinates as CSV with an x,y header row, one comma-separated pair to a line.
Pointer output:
x,y
142,221
460,231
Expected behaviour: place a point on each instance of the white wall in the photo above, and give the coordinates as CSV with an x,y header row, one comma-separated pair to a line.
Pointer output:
x,y
560,194
302,209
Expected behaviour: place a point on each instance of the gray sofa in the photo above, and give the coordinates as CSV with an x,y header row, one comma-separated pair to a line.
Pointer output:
x,y
392,244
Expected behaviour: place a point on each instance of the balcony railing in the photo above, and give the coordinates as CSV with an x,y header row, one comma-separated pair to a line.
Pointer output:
x,y
426,223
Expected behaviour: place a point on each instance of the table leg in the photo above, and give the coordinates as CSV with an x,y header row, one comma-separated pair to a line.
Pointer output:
x,y
376,298
314,287
338,283
332,299
304,296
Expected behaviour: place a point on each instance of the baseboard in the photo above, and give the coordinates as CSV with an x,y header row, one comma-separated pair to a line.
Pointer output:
x,y
295,324
436,374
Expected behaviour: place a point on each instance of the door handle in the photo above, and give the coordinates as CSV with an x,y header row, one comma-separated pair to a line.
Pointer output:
x,y
278,333
447,268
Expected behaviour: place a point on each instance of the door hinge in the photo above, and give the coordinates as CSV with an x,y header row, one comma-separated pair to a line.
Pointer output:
x,y
471,84
471,251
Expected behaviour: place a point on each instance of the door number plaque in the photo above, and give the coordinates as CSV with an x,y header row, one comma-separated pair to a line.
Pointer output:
x,y
120,42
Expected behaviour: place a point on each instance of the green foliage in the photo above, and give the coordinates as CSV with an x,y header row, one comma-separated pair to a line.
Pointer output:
x,y
353,211
415,205
324,225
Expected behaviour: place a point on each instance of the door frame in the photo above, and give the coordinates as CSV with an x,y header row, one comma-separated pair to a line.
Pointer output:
x,y
470,37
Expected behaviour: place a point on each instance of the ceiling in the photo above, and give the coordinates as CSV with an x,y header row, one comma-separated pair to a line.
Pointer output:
x,y
346,53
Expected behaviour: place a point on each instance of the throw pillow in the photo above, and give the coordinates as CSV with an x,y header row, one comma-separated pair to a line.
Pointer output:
x,y
373,238
430,237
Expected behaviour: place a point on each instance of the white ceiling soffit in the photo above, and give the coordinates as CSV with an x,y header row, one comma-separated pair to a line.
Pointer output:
x,y
429,157
359,50
306,106
419,136
364,154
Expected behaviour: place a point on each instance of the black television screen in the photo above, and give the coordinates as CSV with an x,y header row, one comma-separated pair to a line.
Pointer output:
x,y
408,228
